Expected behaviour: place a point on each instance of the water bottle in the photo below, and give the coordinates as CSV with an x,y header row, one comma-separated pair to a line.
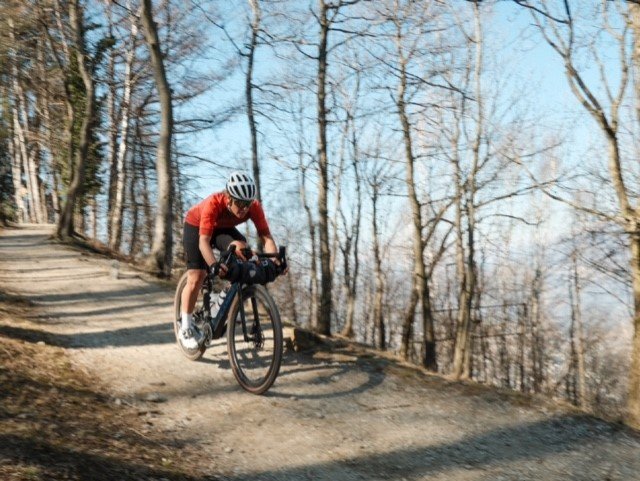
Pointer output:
x,y
215,305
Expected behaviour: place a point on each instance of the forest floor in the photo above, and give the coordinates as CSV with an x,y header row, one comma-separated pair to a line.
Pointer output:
x,y
93,387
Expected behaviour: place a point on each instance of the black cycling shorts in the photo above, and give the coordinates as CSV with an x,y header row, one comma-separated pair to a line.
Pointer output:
x,y
220,239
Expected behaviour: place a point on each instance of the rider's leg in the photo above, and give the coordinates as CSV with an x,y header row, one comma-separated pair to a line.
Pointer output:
x,y
224,238
196,271
196,265
190,295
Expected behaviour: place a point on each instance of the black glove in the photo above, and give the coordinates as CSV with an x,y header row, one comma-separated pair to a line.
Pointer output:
x,y
213,270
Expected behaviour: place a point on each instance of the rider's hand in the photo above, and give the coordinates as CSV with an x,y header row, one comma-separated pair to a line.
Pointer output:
x,y
222,270
278,263
240,250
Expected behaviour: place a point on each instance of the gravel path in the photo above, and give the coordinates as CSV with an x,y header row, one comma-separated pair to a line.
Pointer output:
x,y
344,414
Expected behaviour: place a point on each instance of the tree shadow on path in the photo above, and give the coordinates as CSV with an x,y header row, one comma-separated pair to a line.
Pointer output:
x,y
161,333
496,449
325,375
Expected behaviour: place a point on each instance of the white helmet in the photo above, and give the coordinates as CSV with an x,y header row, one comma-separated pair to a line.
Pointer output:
x,y
240,186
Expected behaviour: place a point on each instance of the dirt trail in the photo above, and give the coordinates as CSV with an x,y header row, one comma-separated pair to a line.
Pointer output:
x,y
340,415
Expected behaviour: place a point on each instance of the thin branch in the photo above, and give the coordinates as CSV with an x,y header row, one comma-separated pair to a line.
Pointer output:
x,y
582,208
526,4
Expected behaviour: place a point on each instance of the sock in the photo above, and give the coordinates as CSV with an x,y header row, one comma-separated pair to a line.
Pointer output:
x,y
186,321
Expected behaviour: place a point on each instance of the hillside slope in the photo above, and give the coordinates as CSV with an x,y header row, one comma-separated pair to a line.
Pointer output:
x,y
333,414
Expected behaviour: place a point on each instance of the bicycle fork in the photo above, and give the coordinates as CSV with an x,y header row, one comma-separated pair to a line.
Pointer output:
x,y
255,335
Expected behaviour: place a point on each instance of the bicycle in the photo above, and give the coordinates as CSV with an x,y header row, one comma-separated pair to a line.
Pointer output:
x,y
251,317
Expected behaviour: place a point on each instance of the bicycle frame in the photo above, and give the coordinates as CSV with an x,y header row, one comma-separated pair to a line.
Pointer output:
x,y
214,328
216,325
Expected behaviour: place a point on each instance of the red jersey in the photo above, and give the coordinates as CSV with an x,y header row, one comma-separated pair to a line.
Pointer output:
x,y
213,213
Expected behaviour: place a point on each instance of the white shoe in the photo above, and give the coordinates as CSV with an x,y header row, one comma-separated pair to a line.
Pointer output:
x,y
188,339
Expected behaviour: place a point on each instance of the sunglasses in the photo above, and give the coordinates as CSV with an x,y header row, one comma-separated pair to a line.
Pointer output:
x,y
242,204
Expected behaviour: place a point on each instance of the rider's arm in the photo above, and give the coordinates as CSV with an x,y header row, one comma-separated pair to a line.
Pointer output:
x,y
262,226
204,244
269,244
270,248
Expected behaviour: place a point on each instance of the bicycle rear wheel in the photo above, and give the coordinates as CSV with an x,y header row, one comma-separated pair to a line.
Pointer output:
x,y
195,353
255,352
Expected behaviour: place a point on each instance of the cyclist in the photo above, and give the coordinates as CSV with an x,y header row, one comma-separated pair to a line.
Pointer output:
x,y
213,222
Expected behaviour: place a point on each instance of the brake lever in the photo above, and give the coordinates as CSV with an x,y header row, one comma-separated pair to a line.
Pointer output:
x,y
224,259
282,255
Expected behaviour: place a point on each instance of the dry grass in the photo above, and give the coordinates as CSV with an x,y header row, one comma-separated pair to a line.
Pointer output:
x,y
55,423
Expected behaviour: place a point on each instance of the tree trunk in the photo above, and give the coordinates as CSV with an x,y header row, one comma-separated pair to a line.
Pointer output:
x,y
505,358
634,11
347,329
522,343
378,318
133,196
255,28
351,283
419,288
160,257
293,296
92,205
337,202
16,177
21,131
464,348
112,137
120,171
51,206
633,405
30,157
313,269
578,340
325,308
409,315
537,354
462,352
145,240
429,354
65,228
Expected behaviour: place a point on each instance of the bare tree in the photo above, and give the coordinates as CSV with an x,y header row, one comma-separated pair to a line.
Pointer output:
x,y
351,228
24,121
418,19
119,171
323,322
466,202
561,29
378,178
65,227
577,357
160,258
249,88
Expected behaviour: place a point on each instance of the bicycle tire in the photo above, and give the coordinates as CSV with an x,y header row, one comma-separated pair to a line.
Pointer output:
x,y
197,352
255,367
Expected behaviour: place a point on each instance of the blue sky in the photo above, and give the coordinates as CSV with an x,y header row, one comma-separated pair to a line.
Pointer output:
x,y
531,69
532,65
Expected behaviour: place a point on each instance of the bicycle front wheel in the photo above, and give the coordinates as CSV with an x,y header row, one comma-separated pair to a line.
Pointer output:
x,y
255,346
